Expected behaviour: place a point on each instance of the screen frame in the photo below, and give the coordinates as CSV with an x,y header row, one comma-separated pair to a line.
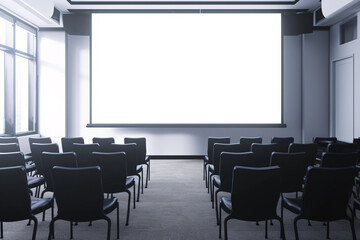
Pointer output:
x,y
187,125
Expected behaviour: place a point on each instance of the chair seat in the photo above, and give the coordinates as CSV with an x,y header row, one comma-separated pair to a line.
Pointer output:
x,y
30,167
217,181
211,168
39,205
206,159
147,159
35,181
130,181
110,204
226,204
139,168
293,204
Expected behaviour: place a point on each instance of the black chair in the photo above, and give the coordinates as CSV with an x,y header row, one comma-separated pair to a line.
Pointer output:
x,y
16,204
84,153
342,147
73,190
309,148
223,181
51,159
67,143
37,150
114,175
14,147
15,159
248,141
143,159
208,159
262,153
103,141
133,169
293,167
326,196
218,149
322,143
28,157
9,140
339,160
283,143
254,197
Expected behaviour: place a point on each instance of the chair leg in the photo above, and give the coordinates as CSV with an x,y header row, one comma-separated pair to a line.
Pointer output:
x,y
147,175
35,227
71,230
266,229
128,209
212,189
2,229
117,218
109,227
138,195
149,170
52,228
216,206
352,228
282,231
220,221
295,228
225,226
134,195
90,224
43,217
142,181
328,230
204,171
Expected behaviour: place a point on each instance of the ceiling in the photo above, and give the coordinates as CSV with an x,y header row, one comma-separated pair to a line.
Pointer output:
x,y
73,5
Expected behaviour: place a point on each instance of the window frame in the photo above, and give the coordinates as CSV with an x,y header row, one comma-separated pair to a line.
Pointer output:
x,y
10,79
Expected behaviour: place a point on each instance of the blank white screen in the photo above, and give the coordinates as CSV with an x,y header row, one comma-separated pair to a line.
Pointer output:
x,y
186,68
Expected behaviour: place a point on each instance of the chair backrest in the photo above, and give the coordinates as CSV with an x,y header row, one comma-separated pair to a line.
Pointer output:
x,y
78,193
51,159
38,149
9,140
38,140
12,159
15,204
309,148
9,147
67,143
130,151
248,141
283,143
327,192
338,160
113,168
103,141
227,163
293,167
342,147
140,146
84,153
210,147
322,143
255,193
263,153
224,147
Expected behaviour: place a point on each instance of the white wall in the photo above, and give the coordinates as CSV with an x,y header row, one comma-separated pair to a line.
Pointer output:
x,y
186,141
51,84
339,52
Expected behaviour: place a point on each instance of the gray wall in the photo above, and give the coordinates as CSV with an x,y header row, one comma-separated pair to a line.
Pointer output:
x,y
192,141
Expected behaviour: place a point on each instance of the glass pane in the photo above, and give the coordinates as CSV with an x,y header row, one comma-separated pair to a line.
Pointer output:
x,y
22,94
6,32
2,93
24,40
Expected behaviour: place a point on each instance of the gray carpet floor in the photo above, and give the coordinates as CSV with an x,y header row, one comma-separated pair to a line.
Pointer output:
x,y
176,205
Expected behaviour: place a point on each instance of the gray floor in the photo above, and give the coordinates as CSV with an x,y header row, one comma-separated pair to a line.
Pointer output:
x,y
176,206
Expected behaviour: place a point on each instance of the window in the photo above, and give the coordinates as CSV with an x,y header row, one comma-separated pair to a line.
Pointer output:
x,y
17,76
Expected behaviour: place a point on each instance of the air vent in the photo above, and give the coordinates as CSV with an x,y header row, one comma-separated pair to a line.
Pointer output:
x,y
348,30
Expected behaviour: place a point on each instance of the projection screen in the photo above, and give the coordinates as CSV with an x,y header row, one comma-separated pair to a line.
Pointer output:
x,y
184,69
